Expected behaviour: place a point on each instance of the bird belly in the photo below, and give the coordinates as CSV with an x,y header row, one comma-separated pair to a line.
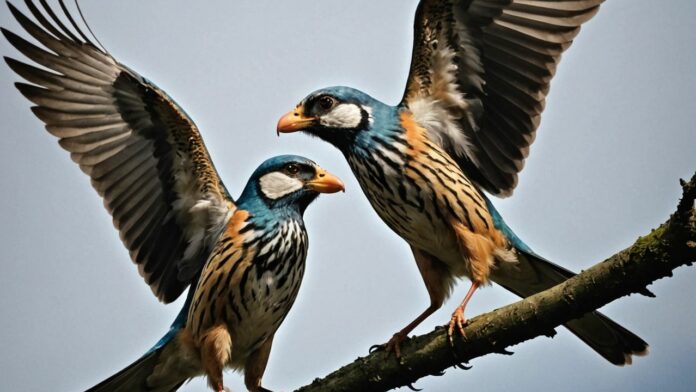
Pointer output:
x,y
411,211
268,301
434,236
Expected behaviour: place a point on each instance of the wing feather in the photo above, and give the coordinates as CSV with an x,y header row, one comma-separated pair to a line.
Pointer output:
x,y
487,64
144,155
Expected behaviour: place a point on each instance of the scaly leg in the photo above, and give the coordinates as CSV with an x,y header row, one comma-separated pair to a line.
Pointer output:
x,y
458,318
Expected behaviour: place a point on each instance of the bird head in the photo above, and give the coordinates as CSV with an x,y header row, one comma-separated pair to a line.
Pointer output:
x,y
335,114
288,182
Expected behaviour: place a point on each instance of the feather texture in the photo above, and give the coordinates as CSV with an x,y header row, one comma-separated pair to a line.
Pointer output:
x,y
144,155
483,68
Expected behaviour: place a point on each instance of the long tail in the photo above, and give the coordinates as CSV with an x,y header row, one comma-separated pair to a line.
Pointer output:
x,y
533,274
134,377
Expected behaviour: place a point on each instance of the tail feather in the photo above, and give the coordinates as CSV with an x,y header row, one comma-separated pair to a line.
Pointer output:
x,y
533,274
134,377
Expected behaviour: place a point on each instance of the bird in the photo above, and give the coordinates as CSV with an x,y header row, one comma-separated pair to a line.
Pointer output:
x,y
480,71
242,260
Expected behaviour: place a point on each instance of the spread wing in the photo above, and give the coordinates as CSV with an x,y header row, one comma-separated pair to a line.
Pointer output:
x,y
144,155
480,73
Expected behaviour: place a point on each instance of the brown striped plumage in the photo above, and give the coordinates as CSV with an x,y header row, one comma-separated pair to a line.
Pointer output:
x,y
245,290
451,212
241,266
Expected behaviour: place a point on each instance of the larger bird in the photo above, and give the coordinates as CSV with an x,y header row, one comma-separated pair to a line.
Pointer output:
x,y
243,259
479,75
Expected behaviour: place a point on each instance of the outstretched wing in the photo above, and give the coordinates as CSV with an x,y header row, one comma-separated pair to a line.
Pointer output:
x,y
144,155
479,77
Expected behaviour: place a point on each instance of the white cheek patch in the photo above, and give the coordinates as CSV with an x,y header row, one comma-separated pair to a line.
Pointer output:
x,y
345,115
276,185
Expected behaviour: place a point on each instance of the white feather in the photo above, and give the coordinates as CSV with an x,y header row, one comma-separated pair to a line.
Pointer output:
x,y
277,184
345,115
440,111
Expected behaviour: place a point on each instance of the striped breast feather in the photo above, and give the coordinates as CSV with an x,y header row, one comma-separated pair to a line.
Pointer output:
x,y
144,155
480,73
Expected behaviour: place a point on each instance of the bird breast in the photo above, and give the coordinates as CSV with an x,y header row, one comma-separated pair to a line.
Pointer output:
x,y
250,283
420,192
271,288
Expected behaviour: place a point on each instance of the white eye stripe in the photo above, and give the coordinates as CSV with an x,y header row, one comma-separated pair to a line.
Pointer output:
x,y
345,115
277,184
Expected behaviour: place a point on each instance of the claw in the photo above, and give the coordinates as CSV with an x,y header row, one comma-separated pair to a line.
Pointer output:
x,y
504,351
459,364
644,291
376,347
462,366
438,374
411,387
459,321
394,344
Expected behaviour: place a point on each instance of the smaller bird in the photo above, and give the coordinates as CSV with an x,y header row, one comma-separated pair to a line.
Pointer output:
x,y
480,72
246,287
243,259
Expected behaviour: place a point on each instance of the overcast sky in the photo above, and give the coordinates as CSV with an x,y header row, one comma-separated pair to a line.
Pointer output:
x,y
617,134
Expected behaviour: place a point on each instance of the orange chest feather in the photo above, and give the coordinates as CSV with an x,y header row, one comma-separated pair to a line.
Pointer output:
x,y
433,167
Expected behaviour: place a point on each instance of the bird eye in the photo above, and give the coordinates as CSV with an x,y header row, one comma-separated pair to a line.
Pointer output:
x,y
326,102
292,168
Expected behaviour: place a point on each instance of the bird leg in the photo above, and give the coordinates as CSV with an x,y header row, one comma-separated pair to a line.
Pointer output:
x,y
438,280
394,343
458,318
216,349
256,365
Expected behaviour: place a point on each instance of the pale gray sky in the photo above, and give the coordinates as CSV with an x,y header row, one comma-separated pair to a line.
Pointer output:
x,y
615,138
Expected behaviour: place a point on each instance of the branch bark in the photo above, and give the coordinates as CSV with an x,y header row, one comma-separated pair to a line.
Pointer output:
x,y
629,271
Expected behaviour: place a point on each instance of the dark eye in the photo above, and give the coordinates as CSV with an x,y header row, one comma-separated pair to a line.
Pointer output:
x,y
326,102
292,168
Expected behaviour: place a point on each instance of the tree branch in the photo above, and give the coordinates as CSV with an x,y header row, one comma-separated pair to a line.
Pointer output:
x,y
650,258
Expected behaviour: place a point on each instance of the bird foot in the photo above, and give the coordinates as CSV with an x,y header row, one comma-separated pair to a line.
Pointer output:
x,y
459,321
394,344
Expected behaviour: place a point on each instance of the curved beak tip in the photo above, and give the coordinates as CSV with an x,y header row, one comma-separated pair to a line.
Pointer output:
x,y
293,121
326,183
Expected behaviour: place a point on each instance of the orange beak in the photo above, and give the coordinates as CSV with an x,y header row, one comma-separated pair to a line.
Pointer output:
x,y
325,182
294,121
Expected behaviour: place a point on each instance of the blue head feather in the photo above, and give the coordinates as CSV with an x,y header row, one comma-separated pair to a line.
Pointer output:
x,y
260,207
379,119
345,94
